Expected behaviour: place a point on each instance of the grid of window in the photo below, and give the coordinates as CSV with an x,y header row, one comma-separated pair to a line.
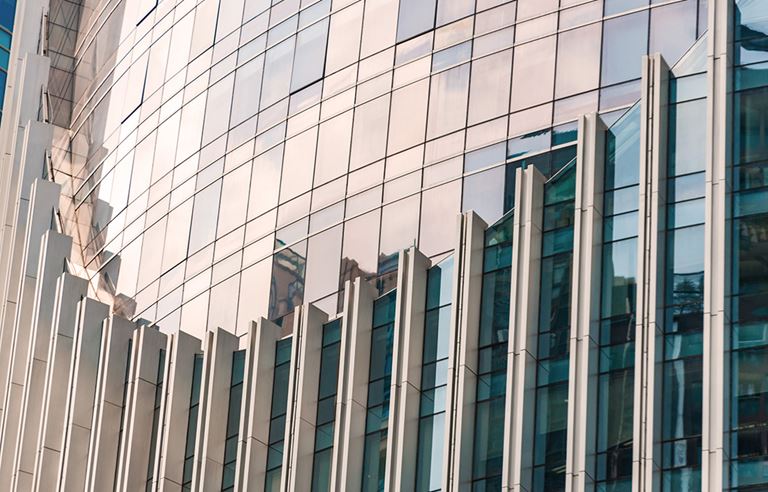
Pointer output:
x,y
160,378
434,377
325,423
552,365
379,387
492,356
194,412
749,289
233,422
297,143
615,392
683,301
278,412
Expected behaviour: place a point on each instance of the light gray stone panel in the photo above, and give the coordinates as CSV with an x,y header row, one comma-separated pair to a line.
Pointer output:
x,y
177,394
304,419
71,290
105,430
81,394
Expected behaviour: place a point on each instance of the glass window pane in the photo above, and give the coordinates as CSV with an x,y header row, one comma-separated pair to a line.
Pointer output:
x,y
533,75
625,41
415,17
578,60
448,101
489,92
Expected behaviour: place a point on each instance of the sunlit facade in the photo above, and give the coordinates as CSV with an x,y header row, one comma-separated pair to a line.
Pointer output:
x,y
431,245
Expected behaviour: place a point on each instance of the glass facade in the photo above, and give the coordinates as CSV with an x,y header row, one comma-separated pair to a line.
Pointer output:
x,y
749,289
194,412
259,155
552,364
223,161
325,423
233,422
492,356
277,417
379,387
616,360
434,378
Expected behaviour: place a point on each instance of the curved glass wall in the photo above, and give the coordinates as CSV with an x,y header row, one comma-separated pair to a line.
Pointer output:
x,y
231,160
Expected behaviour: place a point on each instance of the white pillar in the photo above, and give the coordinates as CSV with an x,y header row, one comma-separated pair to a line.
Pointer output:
x,y
137,435
304,419
585,305
113,366
71,290
408,349
182,349
650,279
356,366
462,362
717,249
523,330
344,381
258,381
81,393
214,404
35,298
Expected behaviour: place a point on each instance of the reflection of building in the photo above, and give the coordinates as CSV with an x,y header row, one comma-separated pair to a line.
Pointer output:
x,y
384,245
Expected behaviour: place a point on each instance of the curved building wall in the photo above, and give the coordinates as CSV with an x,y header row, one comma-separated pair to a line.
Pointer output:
x,y
230,160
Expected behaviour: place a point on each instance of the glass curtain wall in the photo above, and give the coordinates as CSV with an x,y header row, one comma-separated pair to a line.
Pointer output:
x,y
233,421
749,289
277,417
325,422
492,356
194,411
552,352
681,333
379,386
615,393
434,377
156,419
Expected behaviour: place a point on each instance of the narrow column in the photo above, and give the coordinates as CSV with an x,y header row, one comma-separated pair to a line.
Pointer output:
x,y
113,374
46,453
258,384
26,376
652,200
183,350
407,361
523,330
356,364
344,381
81,393
212,423
462,360
304,415
140,439
35,298
716,367
585,304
